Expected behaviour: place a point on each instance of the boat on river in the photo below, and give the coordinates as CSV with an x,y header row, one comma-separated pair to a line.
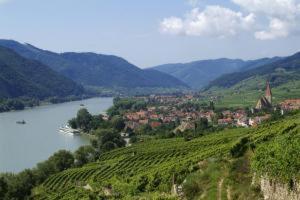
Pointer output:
x,y
21,122
68,130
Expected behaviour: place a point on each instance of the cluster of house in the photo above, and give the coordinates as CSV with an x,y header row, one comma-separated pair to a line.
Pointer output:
x,y
290,104
240,118
167,110
156,116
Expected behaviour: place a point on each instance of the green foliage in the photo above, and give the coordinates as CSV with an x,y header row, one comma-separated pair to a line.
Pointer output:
x,y
279,159
61,160
121,105
84,155
19,186
87,122
118,123
73,123
108,139
202,124
83,119
239,148
193,187
148,166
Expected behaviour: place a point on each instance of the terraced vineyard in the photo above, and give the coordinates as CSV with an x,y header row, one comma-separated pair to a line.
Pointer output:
x,y
156,161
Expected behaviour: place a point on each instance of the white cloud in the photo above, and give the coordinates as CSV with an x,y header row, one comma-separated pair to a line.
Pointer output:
x,y
212,21
265,19
278,8
277,29
283,16
172,25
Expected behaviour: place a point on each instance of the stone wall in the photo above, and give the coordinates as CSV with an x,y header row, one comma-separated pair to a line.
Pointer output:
x,y
273,190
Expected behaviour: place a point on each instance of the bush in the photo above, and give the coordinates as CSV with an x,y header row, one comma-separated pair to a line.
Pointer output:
x,y
239,148
192,187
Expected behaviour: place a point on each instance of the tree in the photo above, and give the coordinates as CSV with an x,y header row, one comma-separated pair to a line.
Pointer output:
x,y
84,119
73,123
3,187
118,123
84,154
97,121
202,124
20,185
144,129
108,146
61,160
211,105
15,104
108,139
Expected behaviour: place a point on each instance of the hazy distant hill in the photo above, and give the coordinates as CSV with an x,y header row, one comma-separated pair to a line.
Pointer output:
x,y
199,73
95,69
23,77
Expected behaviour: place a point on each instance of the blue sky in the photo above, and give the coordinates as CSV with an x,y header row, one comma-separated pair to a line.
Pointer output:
x,y
149,33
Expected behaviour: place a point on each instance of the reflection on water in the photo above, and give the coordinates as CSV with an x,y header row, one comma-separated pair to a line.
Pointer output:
x,y
24,145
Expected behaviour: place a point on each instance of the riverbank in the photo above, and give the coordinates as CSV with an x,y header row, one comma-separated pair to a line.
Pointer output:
x,y
24,103
23,146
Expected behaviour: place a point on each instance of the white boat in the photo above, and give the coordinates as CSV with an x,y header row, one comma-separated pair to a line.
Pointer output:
x,y
68,130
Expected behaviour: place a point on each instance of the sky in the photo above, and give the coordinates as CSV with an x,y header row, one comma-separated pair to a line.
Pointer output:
x,y
149,33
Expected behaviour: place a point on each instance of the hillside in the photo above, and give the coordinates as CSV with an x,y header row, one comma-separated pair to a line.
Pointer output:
x,y
95,69
23,77
199,73
284,76
211,166
278,72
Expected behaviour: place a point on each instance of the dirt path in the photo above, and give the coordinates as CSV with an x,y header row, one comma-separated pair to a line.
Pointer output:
x,y
220,185
228,193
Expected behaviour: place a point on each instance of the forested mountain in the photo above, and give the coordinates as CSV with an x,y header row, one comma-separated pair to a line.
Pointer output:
x,y
95,69
111,71
199,73
279,72
23,77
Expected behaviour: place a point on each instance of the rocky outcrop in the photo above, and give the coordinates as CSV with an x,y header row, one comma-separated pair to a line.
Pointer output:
x,y
273,190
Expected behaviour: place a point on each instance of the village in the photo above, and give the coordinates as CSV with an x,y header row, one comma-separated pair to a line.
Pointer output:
x,y
182,111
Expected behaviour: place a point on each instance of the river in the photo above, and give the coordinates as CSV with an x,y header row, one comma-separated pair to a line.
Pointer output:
x,y
23,146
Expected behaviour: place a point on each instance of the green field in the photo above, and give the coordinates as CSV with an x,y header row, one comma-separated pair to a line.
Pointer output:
x,y
148,169
247,92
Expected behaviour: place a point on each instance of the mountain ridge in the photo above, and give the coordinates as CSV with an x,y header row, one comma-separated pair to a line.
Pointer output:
x,y
99,69
269,69
20,76
198,74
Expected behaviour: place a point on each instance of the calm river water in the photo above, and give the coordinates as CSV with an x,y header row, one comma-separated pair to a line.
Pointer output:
x,y
23,146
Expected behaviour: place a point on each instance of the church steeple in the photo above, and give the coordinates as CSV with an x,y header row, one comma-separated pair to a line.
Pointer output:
x,y
268,93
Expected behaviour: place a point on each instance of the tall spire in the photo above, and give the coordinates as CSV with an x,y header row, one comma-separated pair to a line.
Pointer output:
x,y
268,94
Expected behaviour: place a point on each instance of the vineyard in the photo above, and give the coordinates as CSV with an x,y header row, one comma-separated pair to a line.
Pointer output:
x,y
154,165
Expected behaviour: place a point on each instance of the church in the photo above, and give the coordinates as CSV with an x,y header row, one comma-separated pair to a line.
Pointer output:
x,y
265,102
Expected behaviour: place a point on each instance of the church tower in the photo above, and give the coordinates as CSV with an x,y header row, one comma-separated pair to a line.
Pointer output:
x,y
268,94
